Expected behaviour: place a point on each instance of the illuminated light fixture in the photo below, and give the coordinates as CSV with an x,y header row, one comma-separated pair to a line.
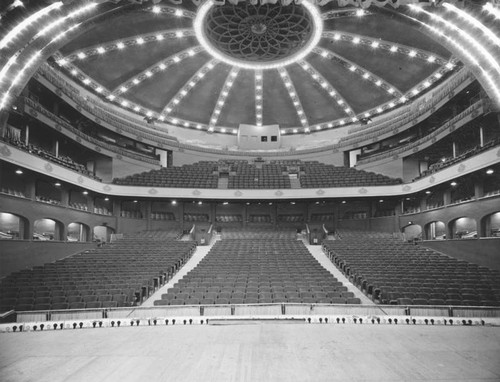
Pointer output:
x,y
324,85
352,68
62,62
336,37
85,192
86,81
489,171
98,90
162,66
198,126
137,109
223,130
124,103
332,93
453,184
123,89
186,124
428,192
234,131
81,55
324,53
211,129
378,83
391,104
438,75
225,203
57,184
403,99
174,202
161,118
342,122
217,111
367,115
292,94
317,29
375,44
295,130
366,76
178,13
415,91
176,101
360,12
282,131
140,41
427,84
473,21
184,92
354,119
19,172
17,30
318,127
148,74
178,34
340,102
156,9
343,201
101,50
174,121
394,49
391,90
135,201
315,76
111,97
380,110
356,40
296,103
149,114
381,201
412,53
492,10
135,81
300,112
449,65
431,59
159,37
106,199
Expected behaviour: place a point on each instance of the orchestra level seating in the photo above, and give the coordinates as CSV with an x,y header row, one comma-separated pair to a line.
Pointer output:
x,y
248,271
119,274
395,272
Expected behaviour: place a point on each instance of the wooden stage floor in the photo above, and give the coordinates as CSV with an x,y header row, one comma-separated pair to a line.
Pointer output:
x,y
254,352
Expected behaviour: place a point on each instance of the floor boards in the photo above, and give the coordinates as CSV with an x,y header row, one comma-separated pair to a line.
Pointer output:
x,y
254,352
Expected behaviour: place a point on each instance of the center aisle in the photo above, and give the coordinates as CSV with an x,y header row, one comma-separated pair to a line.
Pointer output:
x,y
200,253
317,252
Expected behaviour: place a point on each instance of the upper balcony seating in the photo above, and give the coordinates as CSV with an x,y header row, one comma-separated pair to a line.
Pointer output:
x,y
120,274
395,272
198,175
258,233
260,271
317,174
246,175
60,160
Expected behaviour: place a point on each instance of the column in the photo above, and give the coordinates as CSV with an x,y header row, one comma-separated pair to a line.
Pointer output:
x,y
454,147
481,136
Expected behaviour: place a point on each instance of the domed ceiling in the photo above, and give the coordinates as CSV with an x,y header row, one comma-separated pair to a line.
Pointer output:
x,y
214,67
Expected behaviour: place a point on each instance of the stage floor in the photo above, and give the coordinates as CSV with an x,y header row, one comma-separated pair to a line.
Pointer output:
x,y
254,352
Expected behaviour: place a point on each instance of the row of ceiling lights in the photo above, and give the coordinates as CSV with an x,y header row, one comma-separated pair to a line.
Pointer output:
x,y
15,32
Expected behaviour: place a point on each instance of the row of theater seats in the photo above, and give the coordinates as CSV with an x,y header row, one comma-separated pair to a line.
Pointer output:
x,y
119,274
79,206
60,160
195,217
451,161
160,235
13,192
392,271
321,217
228,218
246,271
247,175
290,218
162,216
258,233
131,214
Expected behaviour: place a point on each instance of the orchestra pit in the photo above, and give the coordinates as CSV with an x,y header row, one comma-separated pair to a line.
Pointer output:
x,y
233,190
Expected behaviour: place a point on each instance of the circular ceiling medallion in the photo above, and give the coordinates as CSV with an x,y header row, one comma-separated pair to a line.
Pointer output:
x,y
260,36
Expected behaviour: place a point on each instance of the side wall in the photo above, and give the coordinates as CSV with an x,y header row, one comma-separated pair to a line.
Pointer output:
x,y
485,252
20,254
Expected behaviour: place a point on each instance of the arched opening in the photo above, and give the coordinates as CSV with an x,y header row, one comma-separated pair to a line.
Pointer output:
x,y
463,228
102,233
435,230
13,227
412,232
490,225
78,232
47,229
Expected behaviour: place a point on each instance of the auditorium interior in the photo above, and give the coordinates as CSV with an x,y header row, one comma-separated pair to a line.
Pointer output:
x,y
236,190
